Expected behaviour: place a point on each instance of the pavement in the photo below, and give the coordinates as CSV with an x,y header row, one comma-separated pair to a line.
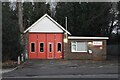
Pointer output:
x,y
65,69
7,70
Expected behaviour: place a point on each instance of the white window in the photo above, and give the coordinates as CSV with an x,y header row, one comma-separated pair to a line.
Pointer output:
x,y
73,46
79,46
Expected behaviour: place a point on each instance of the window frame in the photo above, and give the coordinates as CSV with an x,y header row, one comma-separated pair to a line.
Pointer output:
x,y
76,46
43,47
34,47
72,47
49,47
57,47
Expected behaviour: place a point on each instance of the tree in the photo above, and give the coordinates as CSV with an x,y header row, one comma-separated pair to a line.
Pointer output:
x,y
113,20
21,27
32,11
83,18
12,31
10,35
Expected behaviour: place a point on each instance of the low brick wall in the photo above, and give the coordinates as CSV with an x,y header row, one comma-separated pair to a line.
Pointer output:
x,y
97,53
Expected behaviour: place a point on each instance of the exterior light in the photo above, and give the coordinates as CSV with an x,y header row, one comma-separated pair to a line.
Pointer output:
x,y
89,43
65,40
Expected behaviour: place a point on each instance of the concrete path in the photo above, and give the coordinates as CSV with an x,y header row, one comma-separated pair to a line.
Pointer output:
x,y
7,70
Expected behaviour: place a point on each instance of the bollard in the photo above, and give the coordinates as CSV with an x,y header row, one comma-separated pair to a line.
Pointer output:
x,y
22,58
26,56
18,59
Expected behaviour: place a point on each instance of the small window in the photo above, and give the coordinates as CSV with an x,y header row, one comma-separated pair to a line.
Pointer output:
x,y
73,46
59,47
41,47
32,47
79,47
50,47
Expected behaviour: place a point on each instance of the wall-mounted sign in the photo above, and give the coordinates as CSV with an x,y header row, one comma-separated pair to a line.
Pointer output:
x,y
90,51
97,43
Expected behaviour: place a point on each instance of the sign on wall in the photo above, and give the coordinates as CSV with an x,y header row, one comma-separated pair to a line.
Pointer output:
x,y
97,43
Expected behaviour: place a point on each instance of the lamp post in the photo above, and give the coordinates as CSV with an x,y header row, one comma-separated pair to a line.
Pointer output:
x,y
65,35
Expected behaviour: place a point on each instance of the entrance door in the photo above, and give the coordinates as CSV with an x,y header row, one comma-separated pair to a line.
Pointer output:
x,y
59,46
50,46
45,46
50,51
41,46
32,46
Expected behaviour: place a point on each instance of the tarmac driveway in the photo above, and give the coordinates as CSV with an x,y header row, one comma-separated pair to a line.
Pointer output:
x,y
65,69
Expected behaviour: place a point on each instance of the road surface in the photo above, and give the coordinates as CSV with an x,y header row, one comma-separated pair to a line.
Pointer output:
x,y
64,69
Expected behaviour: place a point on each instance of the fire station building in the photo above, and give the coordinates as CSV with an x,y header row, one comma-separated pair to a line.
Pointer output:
x,y
46,39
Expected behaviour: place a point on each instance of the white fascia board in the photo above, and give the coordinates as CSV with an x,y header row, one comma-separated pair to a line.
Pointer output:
x,y
45,32
58,24
73,37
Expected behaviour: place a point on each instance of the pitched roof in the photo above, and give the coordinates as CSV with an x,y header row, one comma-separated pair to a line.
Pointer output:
x,y
46,24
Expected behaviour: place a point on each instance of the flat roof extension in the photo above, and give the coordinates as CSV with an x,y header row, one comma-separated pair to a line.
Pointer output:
x,y
76,37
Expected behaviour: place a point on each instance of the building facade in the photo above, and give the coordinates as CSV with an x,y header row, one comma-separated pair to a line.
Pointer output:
x,y
86,48
46,39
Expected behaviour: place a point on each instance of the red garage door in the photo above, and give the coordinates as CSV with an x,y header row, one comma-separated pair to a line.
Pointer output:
x,y
45,46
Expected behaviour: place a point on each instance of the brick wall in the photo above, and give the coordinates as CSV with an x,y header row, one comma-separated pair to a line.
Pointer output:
x,y
97,53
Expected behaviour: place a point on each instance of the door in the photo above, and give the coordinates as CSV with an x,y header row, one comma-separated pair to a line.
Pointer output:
x,y
41,45
59,46
50,46
32,46
50,51
45,46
